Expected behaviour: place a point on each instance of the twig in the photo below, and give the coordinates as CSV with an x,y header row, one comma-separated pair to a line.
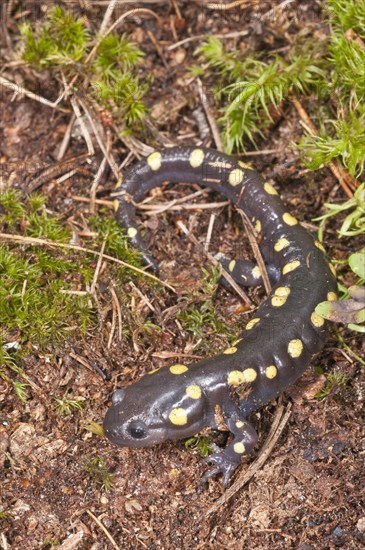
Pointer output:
x,y
345,180
34,241
255,249
215,262
20,90
210,117
235,34
280,420
103,528
84,130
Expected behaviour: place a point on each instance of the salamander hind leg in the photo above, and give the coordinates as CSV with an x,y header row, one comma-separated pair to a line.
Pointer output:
x,y
245,438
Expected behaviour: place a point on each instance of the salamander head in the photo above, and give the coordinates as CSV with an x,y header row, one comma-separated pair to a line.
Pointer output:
x,y
132,421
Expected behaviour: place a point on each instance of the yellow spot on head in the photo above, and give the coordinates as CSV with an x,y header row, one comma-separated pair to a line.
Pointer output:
x,y
196,158
252,323
228,351
154,160
281,244
249,375
320,246
239,424
235,177
239,448
178,417
178,369
193,391
258,226
115,205
244,165
256,273
332,296
290,267
289,219
271,371
231,265
295,348
132,232
270,190
333,270
317,320
235,378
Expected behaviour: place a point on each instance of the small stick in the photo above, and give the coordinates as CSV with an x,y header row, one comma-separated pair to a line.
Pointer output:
x,y
35,241
215,262
104,529
340,173
210,117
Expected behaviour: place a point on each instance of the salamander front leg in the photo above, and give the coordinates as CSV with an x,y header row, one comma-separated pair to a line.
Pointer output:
x,y
245,438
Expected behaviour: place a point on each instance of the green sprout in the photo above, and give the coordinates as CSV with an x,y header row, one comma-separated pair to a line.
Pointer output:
x,y
98,471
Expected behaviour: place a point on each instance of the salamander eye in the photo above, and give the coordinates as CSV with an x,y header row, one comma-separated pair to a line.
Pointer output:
x,y
137,429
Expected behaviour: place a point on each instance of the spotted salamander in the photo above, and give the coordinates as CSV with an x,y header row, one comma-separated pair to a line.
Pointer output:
x,y
277,343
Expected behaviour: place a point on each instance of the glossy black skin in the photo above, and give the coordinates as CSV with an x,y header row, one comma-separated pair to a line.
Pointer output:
x,y
139,416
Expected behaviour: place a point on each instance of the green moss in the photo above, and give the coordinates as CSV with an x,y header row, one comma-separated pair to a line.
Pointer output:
x,y
62,42
252,88
98,471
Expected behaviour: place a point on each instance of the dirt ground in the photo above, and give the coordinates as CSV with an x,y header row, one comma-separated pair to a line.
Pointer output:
x,y
309,494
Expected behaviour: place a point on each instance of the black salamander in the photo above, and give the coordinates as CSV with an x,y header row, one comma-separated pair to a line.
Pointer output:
x,y
278,342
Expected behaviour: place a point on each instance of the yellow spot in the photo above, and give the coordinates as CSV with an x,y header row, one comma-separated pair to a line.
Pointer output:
x,y
154,160
256,273
295,348
178,369
178,416
196,158
119,183
115,205
289,219
235,177
252,323
280,296
249,375
153,371
270,189
239,448
244,165
235,378
231,265
290,267
271,371
228,351
132,232
240,424
278,301
281,244
236,341
332,296
258,226
333,270
320,246
193,391
317,320
282,291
